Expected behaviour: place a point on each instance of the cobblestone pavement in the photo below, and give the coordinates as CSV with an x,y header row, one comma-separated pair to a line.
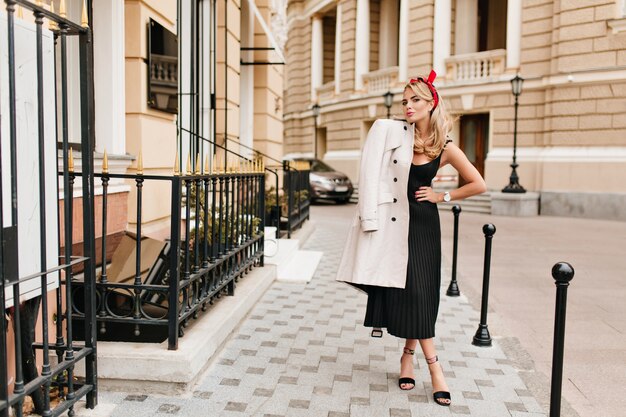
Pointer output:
x,y
303,351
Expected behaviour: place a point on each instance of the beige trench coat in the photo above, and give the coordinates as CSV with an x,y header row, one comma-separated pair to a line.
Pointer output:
x,y
376,252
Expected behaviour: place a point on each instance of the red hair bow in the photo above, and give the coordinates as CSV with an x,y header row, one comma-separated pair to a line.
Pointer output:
x,y
429,84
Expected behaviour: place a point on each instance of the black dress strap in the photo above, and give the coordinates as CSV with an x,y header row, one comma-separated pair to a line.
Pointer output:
x,y
444,147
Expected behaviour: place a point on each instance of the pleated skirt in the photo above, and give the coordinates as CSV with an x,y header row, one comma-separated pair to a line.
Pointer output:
x,y
411,312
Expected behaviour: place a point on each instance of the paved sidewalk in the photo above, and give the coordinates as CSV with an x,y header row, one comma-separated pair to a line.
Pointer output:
x,y
302,351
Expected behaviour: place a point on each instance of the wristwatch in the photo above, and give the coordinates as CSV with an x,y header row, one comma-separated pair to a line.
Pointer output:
x,y
447,197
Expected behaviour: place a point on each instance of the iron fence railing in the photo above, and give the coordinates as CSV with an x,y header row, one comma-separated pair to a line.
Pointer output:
x,y
41,319
215,237
289,210
296,187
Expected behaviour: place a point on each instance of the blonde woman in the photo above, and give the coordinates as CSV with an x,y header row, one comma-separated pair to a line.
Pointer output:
x,y
394,245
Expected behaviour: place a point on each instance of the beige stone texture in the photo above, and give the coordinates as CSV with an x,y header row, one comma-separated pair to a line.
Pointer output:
x,y
565,93
567,108
154,193
612,105
537,12
619,121
584,176
595,121
537,54
605,11
584,30
564,123
234,55
154,137
500,126
536,69
577,47
596,91
537,26
537,40
577,4
598,137
497,174
535,3
587,61
577,16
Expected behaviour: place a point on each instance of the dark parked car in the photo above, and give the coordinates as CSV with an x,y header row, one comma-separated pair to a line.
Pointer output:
x,y
326,183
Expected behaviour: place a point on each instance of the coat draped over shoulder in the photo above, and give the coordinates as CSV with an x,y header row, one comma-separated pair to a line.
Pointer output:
x,y
376,251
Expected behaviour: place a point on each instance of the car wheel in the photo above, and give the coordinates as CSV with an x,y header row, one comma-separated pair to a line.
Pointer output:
x,y
343,201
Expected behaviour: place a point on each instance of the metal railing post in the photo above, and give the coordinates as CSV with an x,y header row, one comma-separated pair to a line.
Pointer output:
x,y
172,302
562,273
453,288
482,337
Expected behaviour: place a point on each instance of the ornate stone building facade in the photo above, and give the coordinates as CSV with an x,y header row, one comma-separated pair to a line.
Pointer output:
x,y
571,127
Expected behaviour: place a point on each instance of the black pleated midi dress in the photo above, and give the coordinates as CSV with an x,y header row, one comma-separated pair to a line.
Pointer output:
x,y
411,312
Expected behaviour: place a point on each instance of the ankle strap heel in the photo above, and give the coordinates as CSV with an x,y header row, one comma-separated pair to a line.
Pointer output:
x,y
432,360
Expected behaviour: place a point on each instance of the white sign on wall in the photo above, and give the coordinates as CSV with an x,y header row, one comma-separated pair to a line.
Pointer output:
x,y
28,217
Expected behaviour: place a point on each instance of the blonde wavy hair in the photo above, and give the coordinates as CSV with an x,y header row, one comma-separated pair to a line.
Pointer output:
x,y
440,123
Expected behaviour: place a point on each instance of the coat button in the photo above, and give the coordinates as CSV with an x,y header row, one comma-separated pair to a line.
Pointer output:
x,y
395,161
405,128
395,200
395,180
393,219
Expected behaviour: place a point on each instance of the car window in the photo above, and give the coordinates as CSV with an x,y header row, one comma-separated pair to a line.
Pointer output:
x,y
319,166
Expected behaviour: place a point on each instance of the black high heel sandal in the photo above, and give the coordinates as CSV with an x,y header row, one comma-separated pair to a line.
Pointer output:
x,y
440,396
376,332
406,380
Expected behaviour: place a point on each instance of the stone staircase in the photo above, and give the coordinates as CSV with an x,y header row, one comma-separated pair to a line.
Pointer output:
x,y
476,204
354,198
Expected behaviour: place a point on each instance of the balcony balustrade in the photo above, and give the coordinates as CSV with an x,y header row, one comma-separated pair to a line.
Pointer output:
x,y
381,81
476,67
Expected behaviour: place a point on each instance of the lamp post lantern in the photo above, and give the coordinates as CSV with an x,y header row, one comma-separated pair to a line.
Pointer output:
x,y
316,112
388,97
514,186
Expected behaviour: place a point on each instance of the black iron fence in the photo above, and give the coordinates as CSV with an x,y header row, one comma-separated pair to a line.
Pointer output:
x,y
37,265
297,193
215,237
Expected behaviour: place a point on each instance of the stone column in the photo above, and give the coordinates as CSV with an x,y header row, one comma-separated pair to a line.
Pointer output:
x,y
246,117
338,28
109,76
362,52
466,30
403,42
513,33
388,50
441,35
317,55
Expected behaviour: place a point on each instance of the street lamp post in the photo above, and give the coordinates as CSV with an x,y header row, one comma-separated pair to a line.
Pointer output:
x,y
388,97
514,186
316,112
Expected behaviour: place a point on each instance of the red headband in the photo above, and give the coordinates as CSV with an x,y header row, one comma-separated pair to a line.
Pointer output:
x,y
429,84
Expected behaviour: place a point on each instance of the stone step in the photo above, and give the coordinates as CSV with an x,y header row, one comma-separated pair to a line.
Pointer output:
x,y
300,268
477,204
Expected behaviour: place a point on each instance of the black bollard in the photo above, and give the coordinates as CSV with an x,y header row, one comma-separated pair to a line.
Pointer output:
x,y
453,288
562,273
482,337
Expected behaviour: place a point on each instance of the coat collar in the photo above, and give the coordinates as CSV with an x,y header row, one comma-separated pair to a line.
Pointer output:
x,y
399,133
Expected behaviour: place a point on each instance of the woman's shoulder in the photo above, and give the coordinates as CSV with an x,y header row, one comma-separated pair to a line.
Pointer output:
x,y
389,122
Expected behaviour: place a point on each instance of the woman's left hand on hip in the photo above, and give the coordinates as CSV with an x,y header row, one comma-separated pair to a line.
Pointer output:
x,y
426,194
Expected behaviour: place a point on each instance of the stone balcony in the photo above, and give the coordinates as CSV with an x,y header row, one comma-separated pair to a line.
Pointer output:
x,y
476,67
380,81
